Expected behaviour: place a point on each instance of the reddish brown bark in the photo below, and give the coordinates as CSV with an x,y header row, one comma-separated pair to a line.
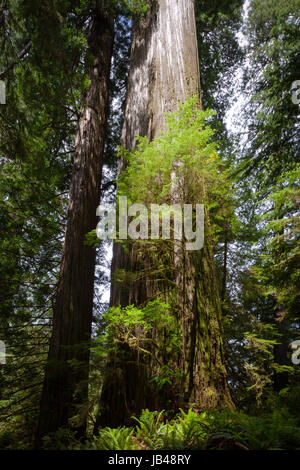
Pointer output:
x,y
66,384
165,72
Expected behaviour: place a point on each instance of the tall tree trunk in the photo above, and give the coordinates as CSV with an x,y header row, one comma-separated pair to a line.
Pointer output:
x,y
224,277
165,72
66,378
281,378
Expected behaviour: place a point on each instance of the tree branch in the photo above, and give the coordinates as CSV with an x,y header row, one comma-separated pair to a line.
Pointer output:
x,y
20,57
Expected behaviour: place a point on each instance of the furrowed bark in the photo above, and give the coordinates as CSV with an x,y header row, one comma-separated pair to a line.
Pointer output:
x,y
164,73
66,378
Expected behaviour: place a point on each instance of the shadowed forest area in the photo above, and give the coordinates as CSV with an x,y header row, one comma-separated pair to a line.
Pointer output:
x,y
149,225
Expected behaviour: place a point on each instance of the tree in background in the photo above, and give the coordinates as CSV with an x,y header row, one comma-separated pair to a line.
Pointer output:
x,y
43,73
263,304
46,67
273,164
148,348
67,371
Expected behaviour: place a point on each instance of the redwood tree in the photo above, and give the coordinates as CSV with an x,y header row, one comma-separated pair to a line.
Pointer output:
x,y
164,72
66,377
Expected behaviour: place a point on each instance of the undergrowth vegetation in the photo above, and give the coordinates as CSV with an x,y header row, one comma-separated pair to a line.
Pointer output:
x,y
212,429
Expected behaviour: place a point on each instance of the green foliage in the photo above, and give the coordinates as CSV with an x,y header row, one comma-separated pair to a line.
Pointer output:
x,y
186,431
271,432
281,259
132,326
166,375
9,440
181,165
115,439
62,439
150,428
272,160
277,430
37,128
217,23
189,430
262,365
137,7
264,260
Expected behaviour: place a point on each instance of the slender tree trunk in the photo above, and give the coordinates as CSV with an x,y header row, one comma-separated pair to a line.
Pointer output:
x,y
281,379
164,73
66,378
224,277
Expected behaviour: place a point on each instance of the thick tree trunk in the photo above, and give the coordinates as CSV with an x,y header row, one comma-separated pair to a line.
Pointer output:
x,y
164,73
66,378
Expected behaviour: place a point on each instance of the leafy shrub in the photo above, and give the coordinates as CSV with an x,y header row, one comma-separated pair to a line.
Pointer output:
x,y
62,439
7,440
188,430
151,429
115,439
